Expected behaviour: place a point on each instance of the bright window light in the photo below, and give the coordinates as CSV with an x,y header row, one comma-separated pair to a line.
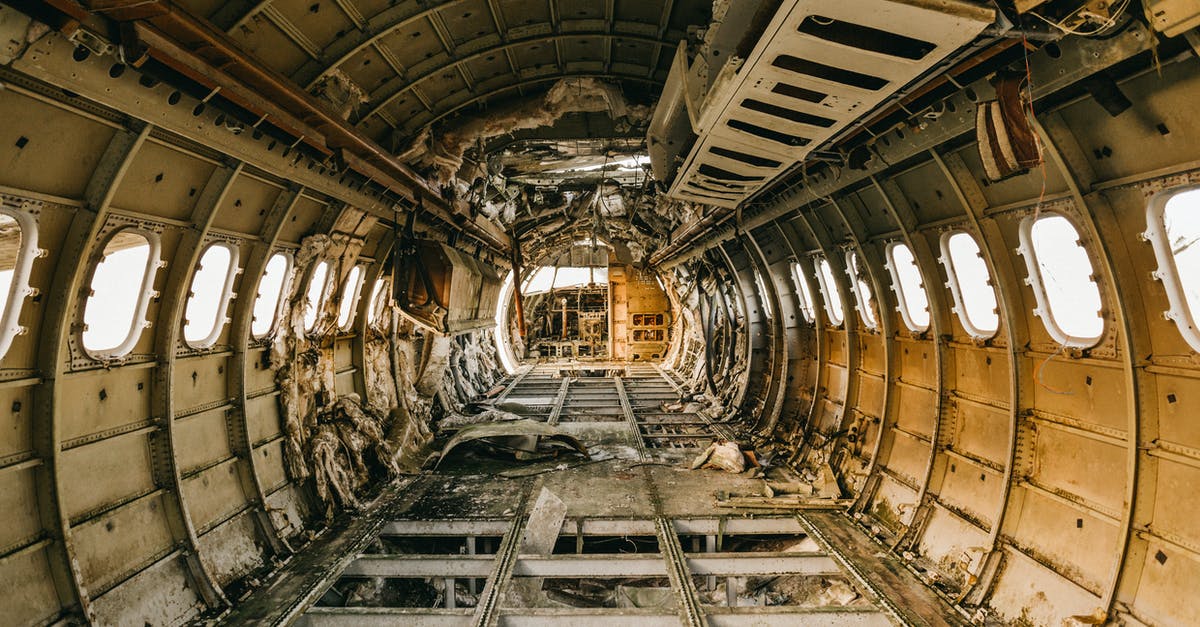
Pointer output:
x,y
379,300
910,289
314,298
807,308
1060,274
971,284
545,278
831,292
1174,229
763,296
270,294
212,285
350,291
18,248
862,292
122,282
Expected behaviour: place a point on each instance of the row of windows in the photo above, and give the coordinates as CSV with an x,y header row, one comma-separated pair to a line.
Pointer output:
x,y
1060,273
121,288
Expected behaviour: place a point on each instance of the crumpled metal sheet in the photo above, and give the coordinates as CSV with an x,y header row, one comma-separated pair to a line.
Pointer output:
x,y
524,437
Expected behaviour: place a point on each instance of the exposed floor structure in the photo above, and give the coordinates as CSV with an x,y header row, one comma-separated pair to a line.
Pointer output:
x,y
641,538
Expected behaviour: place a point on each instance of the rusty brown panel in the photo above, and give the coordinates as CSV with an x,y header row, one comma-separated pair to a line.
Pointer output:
x,y
245,206
1168,577
1054,530
115,544
1084,391
231,550
16,412
871,353
982,373
908,457
163,182
981,431
28,586
1089,468
917,363
40,165
262,413
870,396
1028,591
972,488
212,494
835,382
159,595
305,216
270,457
105,472
200,381
916,409
836,341
18,501
202,440
101,400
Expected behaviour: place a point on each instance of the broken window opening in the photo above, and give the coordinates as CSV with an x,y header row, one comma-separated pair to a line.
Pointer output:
x,y
909,287
807,308
212,287
379,301
114,313
862,291
831,292
350,293
764,297
1173,219
1061,276
970,284
270,295
314,298
18,249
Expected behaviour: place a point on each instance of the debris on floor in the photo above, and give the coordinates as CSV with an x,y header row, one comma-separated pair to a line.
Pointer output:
x,y
723,455
524,439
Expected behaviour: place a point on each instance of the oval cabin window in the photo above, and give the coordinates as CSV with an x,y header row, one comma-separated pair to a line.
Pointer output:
x,y
807,308
270,295
1060,274
910,289
379,300
862,292
18,249
350,292
1174,230
314,297
830,291
212,286
121,287
970,284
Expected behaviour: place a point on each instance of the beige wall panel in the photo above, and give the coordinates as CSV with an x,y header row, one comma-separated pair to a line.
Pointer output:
x,y
306,212
159,595
972,488
213,494
111,546
1177,510
1168,586
1032,595
835,382
870,396
126,401
230,551
258,377
871,354
917,363
29,596
894,503
18,502
42,165
270,464
262,415
976,376
916,409
1083,466
1178,398
200,440
105,472
201,381
909,458
835,340
163,182
1054,530
1101,402
245,206
982,431
15,428
951,542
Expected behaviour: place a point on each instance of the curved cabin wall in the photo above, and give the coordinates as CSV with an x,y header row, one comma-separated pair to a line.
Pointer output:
x,y
1038,480
153,485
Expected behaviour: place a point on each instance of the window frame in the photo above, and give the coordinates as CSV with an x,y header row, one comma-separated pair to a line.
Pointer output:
x,y
322,298
19,288
138,323
1167,272
352,315
861,302
1029,253
284,287
379,293
960,307
222,318
764,295
836,315
808,305
901,292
